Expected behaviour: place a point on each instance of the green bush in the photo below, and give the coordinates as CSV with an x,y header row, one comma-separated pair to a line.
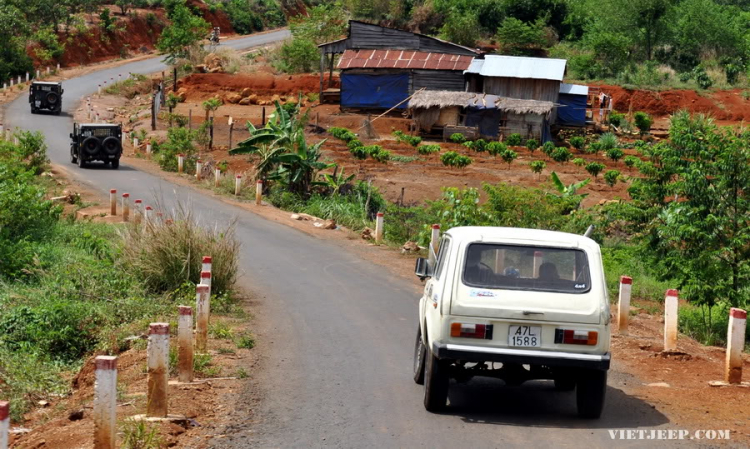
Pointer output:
x,y
453,159
457,138
611,177
496,148
428,149
243,19
342,134
548,148
359,152
378,153
594,148
643,122
354,144
179,141
537,166
595,168
480,145
509,156
299,56
513,140
607,141
631,161
616,119
615,154
580,162
561,154
532,145
405,138
577,142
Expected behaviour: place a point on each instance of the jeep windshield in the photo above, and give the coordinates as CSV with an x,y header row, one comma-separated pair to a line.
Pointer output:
x,y
535,268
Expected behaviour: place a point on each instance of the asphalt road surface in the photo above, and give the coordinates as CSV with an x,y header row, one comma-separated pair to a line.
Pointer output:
x,y
341,335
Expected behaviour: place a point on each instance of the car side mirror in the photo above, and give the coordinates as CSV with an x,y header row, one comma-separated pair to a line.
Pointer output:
x,y
71,135
423,269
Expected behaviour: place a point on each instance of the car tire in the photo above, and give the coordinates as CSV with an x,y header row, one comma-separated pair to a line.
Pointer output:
x,y
564,383
436,382
81,162
73,156
591,389
115,163
420,353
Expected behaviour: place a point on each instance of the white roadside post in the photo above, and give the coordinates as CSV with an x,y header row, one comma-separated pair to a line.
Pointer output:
x,y
135,143
202,310
148,148
434,244
147,216
138,204
99,90
158,370
735,343
258,192
185,342
237,185
206,264
623,306
206,280
27,77
379,228
198,168
105,403
125,207
217,176
670,320
180,162
58,66
47,70
538,257
113,202
37,73
4,423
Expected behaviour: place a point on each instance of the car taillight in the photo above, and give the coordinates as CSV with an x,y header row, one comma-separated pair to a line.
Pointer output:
x,y
573,337
471,330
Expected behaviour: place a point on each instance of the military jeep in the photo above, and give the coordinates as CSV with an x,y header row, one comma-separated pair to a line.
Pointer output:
x,y
45,96
96,142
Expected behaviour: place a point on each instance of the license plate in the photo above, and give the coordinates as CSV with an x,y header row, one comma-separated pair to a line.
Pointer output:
x,y
525,336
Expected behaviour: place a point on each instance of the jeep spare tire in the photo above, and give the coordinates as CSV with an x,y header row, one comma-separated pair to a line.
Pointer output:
x,y
91,145
111,145
52,98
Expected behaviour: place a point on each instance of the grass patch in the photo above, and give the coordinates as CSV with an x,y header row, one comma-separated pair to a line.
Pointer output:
x,y
131,87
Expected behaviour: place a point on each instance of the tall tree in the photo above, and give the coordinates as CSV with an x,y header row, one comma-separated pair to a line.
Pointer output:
x,y
185,30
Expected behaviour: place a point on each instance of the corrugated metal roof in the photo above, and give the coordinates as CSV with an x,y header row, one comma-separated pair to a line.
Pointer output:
x,y
574,89
402,59
521,67
475,66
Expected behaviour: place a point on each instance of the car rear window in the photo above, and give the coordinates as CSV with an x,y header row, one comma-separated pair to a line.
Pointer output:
x,y
538,268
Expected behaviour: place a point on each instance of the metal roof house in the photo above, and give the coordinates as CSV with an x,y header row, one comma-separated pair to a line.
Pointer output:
x,y
574,102
381,67
517,77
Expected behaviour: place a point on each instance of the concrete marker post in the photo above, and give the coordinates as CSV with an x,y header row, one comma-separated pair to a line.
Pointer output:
x,y
237,185
99,90
4,423
113,202
180,162
206,264
185,342
147,216
47,70
670,320
138,211
58,66
27,77
37,73
379,228
125,207
735,343
206,279
202,311
434,244
623,305
217,176
105,403
158,370
148,148
198,168
258,192
135,143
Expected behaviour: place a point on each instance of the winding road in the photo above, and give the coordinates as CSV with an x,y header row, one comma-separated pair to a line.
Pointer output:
x,y
340,333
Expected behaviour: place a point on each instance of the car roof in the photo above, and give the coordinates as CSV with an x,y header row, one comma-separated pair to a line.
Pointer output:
x,y
496,234
47,83
100,125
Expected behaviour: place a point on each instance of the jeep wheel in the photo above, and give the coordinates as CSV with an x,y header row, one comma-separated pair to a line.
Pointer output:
x,y
81,162
420,352
73,157
564,382
436,383
115,163
590,391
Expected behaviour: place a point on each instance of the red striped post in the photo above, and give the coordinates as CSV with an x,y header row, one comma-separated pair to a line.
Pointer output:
x,y
202,310
206,263
158,370
113,202
217,177
4,423
237,185
105,403
623,305
125,207
735,343
258,192
670,320
198,169
138,210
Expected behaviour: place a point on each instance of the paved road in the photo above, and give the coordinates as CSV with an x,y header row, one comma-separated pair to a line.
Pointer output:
x,y
339,367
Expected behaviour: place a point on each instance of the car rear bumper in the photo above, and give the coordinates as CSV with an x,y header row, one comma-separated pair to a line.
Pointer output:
x,y
522,356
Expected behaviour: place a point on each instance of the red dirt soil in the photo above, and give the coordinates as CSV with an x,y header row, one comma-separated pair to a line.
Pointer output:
x,y
138,36
204,85
726,105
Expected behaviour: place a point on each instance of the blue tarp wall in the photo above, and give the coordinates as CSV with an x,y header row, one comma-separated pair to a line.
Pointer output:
x,y
374,91
572,111
487,119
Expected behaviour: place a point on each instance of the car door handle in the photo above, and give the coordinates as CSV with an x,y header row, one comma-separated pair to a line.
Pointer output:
x,y
529,312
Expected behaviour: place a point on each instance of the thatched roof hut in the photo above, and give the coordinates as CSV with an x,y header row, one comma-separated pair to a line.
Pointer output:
x,y
427,99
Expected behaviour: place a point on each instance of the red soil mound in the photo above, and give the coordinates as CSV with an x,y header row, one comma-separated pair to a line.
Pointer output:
x,y
722,105
201,85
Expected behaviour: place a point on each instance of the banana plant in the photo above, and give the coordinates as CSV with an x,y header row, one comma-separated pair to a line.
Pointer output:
x,y
570,190
336,181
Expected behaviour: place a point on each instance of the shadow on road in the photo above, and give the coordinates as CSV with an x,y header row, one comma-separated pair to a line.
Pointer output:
x,y
100,166
538,404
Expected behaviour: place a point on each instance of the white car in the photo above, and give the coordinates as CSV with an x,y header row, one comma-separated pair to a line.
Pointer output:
x,y
535,301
